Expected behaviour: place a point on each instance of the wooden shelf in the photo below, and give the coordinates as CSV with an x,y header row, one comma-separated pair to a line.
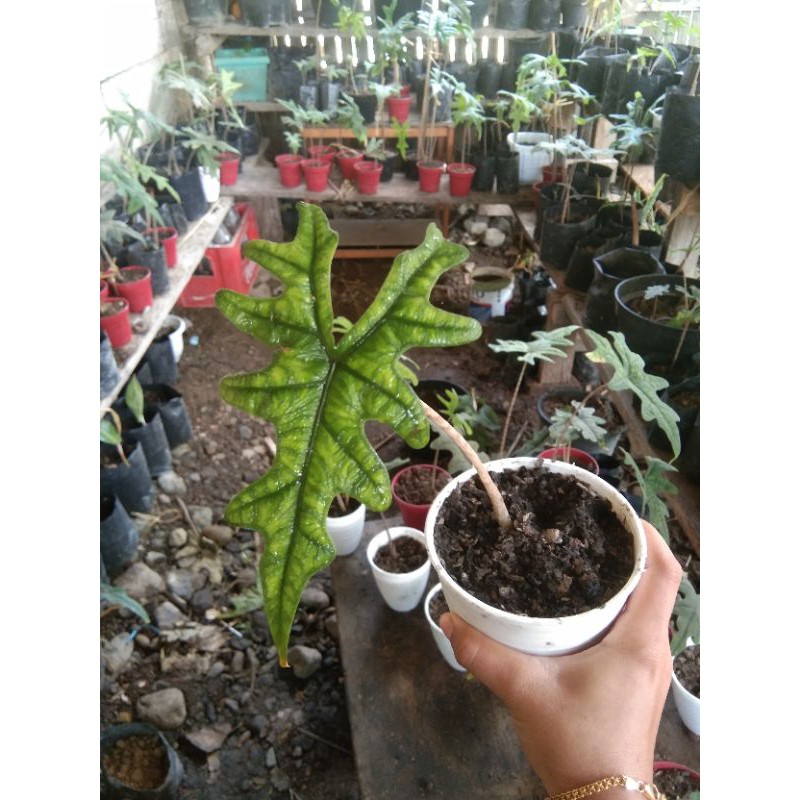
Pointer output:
x,y
191,247
264,181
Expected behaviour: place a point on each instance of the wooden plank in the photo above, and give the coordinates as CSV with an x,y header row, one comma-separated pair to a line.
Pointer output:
x,y
421,729
191,247
372,233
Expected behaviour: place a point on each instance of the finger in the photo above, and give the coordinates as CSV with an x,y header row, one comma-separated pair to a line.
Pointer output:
x,y
503,670
646,616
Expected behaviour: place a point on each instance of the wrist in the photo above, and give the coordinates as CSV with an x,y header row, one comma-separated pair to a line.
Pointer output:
x,y
614,787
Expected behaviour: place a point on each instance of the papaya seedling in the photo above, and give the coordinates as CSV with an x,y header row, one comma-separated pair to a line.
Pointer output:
x,y
319,392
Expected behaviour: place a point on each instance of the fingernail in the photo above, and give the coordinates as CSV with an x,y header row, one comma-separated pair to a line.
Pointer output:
x,y
446,624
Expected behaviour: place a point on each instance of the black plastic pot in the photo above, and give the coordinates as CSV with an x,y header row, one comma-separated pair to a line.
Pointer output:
x,y
621,84
190,188
507,171
490,73
367,105
542,15
559,238
206,12
684,399
609,269
263,13
591,74
410,166
387,170
155,259
119,538
649,240
656,342
109,372
129,482
574,13
678,150
616,218
172,410
550,194
512,15
160,360
485,169
153,439
689,459
465,72
174,216
162,764
592,179
329,92
580,267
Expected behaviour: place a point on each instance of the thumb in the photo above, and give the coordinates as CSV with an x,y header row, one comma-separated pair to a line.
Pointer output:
x,y
504,671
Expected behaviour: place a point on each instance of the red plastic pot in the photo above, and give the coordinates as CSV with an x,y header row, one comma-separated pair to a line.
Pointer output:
x,y
169,241
105,290
368,176
137,288
405,90
228,168
551,174
413,513
577,457
347,163
399,107
117,325
430,174
322,152
290,169
316,174
461,176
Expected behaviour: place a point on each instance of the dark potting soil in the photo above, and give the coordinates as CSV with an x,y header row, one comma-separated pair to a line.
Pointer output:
x,y
687,669
404,554
415,486
661,309
139,762
110,307
675,785
336,510
437,606
566,551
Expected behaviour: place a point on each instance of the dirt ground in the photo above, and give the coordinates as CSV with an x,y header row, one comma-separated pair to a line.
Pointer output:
x,y
289,737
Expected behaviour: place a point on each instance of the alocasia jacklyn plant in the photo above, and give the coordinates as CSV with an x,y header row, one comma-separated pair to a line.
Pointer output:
x,y
318,392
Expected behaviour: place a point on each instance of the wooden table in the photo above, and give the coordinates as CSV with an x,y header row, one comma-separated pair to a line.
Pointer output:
x,y
421,729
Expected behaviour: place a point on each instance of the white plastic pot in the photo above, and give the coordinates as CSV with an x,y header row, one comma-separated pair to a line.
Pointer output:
x,y
688,705
402,591
346,531
176,337
442,642
532,158
491,292
211,185
541,636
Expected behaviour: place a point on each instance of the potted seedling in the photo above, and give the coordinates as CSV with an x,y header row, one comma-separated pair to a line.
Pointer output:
x,y
351,22
289,164
468,114
391,40
316,167
337,385
307,91
348,115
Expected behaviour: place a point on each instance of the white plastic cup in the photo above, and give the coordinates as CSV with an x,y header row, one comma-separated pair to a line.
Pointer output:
x,y
688,705
346,531
442,642
541,636
176,336
401,591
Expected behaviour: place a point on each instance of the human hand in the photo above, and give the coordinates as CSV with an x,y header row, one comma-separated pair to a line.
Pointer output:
x,y
596,713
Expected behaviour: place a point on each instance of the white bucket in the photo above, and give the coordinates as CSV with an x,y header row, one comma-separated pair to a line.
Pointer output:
x,y
492,290
531,157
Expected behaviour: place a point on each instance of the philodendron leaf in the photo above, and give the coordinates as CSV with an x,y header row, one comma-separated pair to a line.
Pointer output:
x,y
629,374
319,393
686,613
653,482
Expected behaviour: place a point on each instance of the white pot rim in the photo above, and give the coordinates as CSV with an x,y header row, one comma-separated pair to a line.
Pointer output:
x,y
544,635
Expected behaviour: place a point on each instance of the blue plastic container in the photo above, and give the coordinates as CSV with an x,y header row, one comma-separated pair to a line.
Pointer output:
x,y
249,67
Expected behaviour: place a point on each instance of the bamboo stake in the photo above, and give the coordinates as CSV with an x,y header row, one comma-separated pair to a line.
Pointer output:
x,y
496,499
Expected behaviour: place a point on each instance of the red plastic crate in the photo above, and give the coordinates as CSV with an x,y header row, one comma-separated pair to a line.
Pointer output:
x,y
225,266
